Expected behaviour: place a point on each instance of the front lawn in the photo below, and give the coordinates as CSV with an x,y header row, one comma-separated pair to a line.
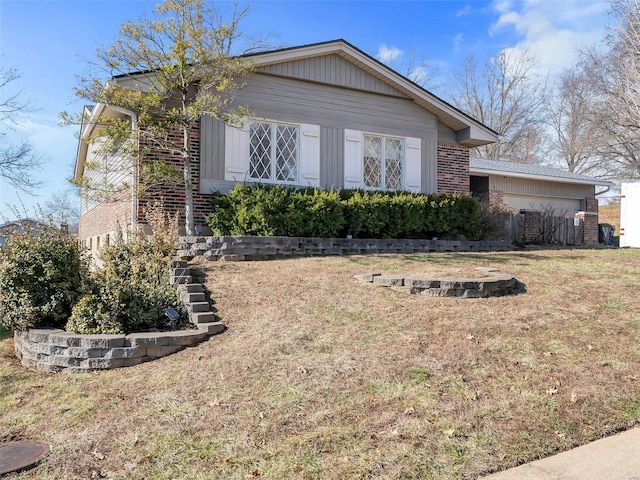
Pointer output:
x,y
322,376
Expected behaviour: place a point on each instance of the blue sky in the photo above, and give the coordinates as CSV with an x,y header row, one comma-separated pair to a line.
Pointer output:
x,y
50,41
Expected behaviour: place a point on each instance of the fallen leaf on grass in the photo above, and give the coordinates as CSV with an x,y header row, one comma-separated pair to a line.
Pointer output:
x,y
98,455
574,397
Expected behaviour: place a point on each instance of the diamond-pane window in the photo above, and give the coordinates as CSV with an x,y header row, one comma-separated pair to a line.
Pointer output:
x,y
372,167
273,152
382,162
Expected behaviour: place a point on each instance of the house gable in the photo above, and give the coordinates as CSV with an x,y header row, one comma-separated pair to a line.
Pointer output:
x,y
332,69
468,131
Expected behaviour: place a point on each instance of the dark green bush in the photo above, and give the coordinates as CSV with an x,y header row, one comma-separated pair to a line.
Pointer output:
x,y
40,278
273,211
267,210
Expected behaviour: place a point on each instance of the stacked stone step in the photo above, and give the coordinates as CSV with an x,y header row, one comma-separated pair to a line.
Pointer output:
x,y
193,297
492,284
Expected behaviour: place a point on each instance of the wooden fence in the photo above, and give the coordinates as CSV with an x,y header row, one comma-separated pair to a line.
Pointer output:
x,y
553,230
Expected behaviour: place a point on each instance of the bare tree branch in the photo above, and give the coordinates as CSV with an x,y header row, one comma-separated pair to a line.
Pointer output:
x,y
18,162
508,97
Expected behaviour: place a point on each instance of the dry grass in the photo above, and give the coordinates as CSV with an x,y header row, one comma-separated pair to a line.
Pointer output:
x,y
321,376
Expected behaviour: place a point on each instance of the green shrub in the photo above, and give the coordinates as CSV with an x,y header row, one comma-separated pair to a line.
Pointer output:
x,y
270,210
40,278
131,290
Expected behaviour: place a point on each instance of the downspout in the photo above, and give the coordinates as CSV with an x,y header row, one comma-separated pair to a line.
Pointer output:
x,y
134,173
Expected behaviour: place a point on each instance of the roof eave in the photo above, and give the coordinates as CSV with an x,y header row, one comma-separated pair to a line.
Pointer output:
x,y
544,178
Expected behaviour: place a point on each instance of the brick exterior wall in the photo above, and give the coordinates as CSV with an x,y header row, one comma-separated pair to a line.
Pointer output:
x,y
107,217
172,194
590,219
491,196
496,196
452,177
453,168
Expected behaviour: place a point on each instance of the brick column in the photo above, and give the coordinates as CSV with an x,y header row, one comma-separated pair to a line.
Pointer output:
x,y
453,168
532,225
590,221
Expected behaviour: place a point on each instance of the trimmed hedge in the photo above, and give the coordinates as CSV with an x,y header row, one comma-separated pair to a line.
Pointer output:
x,y
265,210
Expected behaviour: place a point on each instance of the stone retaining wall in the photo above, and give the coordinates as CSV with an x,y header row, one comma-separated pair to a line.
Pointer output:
x,y
267,248
493,283
54,350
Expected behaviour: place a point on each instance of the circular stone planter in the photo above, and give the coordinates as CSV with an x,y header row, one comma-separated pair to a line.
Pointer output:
x,y
494,283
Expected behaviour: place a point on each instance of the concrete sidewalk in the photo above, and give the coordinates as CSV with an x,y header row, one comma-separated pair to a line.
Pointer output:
x,y
612,458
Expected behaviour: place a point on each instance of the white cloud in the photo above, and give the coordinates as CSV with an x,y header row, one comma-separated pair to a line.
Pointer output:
x,y
457,42
464,11
551,31
387,54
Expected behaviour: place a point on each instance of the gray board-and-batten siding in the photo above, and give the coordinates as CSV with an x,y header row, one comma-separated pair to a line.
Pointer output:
x,y
334,109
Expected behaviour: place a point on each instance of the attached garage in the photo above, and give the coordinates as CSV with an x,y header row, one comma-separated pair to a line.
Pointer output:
x,y
524,186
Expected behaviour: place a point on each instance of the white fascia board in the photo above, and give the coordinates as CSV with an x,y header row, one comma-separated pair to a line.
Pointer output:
x,y
545,178
88,124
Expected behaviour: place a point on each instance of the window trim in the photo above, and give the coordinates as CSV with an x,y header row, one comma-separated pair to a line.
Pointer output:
x,y
384,137
273,179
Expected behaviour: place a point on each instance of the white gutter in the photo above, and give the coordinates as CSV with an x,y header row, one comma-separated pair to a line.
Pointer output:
x,y
93,120
134,173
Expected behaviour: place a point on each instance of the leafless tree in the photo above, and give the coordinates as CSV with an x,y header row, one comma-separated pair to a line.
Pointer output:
x,y
408,64
64,208
507,96
614,76
574,135
17,160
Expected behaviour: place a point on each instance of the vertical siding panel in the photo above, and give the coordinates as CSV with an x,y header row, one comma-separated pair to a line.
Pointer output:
x,y
331,69
211,148
331,154
430,166
219,161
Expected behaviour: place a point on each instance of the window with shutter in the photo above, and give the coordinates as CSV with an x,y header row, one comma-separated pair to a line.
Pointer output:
x,y
268,151
382,162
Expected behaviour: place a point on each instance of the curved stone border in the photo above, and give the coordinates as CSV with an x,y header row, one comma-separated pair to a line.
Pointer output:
x,y
54,350
267,248
495,284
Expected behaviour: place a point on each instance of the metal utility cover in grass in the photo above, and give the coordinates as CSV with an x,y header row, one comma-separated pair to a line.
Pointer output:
x,y
20,455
